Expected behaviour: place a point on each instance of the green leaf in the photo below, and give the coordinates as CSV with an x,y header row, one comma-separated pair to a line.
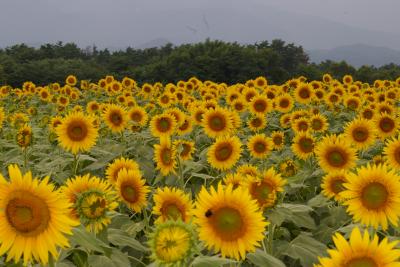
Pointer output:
x,y
100,261
120,259
121,238
306,249
88,240
207,261
262,259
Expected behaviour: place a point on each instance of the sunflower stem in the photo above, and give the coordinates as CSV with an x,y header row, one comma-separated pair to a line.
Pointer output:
x,y
271,230
75,163
181,181
25,159
51,261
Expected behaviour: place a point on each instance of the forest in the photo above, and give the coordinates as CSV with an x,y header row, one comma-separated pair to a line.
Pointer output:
x,y
209,60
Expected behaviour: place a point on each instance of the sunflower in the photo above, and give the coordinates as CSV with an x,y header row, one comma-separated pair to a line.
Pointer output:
x,y
138,115
34,218
186,127
335,153
368,113
172,204
392,153
163,125
93,200
115,118
76,133
260,82
54,122
224,153
260,105
71,80
217,122
173,243
249,93
247,169
92,106
347,79
373,196
234,179
165,156
303,145
117,165
278,140
300,125
361,251
259,146
304,93
239,105
284,103
318,123
264,188
387,125
185,149
24,136
332,184
229,221
257,123
131,189
361,133
285,120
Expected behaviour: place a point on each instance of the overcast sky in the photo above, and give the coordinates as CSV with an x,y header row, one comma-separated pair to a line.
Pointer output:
x,y
120,23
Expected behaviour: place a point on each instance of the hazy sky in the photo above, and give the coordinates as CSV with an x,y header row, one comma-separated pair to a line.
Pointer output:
x,y
119,23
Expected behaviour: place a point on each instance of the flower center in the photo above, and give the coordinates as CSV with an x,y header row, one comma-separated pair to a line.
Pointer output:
x,y
223,152
304,93
128,193
256,122
93,205
136,117
166,156
171,211
260,105
116,118
337,185
360,134
260,147
217,123
227,223
396,154
337,158
306,145
386,125
361,262
316,125
374,195
284,103
77,131
303,126
164,125
261,192
27,213
277,140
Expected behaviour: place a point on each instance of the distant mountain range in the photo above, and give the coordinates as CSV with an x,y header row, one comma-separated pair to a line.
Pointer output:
x,y
357,55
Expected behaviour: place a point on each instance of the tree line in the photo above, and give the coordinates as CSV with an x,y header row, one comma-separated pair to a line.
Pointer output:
x,y
209,60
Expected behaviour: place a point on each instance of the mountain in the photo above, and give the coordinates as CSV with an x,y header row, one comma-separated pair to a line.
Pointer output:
x,y
357,55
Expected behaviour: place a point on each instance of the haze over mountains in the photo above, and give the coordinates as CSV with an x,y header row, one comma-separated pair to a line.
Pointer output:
x,y
142,24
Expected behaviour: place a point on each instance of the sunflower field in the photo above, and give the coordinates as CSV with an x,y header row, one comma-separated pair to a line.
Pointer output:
x,y
200,174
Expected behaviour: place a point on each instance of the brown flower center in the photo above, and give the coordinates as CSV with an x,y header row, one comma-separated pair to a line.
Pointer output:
x,y
27,213
374,195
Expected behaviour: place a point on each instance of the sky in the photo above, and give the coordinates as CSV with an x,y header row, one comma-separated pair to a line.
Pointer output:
x,y
121,23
